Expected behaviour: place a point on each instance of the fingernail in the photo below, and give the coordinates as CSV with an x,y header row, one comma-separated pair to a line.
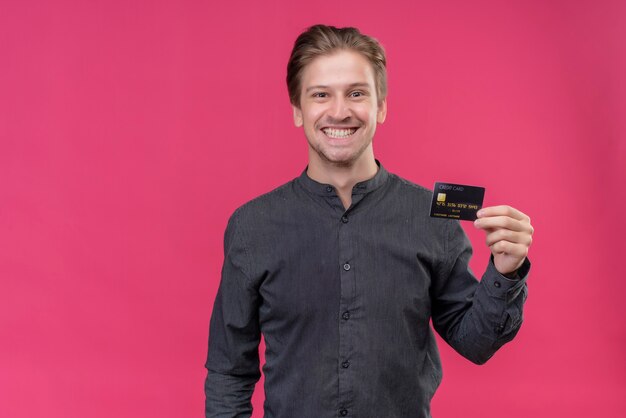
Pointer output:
x,y
476,222
479,213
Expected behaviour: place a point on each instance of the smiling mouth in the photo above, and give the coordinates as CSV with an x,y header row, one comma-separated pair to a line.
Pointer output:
x,y
338,133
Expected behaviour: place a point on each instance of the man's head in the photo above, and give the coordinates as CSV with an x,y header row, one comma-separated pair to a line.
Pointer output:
x,y
321,40
337,86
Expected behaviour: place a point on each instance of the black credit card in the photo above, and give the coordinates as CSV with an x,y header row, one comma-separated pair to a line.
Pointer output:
x,y
456,201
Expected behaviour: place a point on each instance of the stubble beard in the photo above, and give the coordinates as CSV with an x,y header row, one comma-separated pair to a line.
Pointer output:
x,y
344,162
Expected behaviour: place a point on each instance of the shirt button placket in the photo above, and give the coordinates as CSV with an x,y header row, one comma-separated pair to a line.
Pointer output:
x,y
346,328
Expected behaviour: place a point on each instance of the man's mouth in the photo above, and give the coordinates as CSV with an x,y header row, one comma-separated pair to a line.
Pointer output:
x,y
338,133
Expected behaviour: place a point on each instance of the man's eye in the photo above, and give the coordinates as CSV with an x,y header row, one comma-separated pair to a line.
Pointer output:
x,y
319,94
356,94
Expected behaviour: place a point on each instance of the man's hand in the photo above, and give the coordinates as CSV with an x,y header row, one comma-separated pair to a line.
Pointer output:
x,y
509,234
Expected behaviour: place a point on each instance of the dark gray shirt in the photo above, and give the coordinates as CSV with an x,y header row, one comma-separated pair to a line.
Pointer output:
x,y
344,298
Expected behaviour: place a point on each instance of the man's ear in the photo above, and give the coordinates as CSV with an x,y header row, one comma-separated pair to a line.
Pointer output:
x,y
382,111
297,116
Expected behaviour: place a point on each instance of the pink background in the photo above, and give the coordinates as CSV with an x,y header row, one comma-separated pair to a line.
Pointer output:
x,y
130,131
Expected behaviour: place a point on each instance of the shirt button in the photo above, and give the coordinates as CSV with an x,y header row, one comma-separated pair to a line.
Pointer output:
x,y
344,219
497,284
343,412
346,267
329,189
346,315
345,364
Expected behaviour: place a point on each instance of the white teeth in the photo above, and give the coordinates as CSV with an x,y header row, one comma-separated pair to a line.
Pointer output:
x,y
339,133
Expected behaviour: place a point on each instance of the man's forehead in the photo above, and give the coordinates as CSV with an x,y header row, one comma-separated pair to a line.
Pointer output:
x,y
344,68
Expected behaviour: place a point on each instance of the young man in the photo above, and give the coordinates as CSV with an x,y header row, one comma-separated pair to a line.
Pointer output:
x,y
342,268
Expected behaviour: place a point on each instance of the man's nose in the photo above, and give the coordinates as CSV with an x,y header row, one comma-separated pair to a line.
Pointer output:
x,y
340,109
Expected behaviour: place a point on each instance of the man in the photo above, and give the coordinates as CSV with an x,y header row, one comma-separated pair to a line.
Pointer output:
x,y
342,268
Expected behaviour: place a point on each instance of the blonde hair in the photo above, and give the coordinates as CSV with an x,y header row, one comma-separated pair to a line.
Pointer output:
x,y
324,40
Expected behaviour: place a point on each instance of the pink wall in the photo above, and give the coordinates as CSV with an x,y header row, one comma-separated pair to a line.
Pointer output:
x,y
129,131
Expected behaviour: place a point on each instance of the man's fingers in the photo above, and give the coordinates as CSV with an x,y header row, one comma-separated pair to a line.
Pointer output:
x,y
506,222
509,248
508,235
503,210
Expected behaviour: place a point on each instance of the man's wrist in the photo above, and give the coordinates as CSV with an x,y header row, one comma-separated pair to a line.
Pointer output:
x,y
518,274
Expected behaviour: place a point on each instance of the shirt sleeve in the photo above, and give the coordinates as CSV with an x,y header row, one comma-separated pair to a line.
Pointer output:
x,y
475,318
234,335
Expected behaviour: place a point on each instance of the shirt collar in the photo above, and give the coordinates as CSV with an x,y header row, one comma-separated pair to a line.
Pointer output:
x,y
362,187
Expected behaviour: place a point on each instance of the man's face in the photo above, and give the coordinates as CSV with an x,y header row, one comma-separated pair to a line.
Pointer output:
x,y
339,109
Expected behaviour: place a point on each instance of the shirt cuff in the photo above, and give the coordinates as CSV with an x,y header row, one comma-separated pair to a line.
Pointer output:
x,y
500,286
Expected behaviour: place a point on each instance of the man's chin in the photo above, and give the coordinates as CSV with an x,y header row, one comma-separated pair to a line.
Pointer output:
x,y
339,160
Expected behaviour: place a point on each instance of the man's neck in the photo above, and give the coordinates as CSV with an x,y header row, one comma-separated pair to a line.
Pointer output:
x,y
343,177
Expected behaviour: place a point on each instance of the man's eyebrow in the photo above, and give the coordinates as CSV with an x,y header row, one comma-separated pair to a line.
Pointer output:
x,y
353,85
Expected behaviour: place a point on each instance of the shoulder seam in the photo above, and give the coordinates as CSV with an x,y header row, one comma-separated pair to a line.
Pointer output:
x,y
410,183
265,195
